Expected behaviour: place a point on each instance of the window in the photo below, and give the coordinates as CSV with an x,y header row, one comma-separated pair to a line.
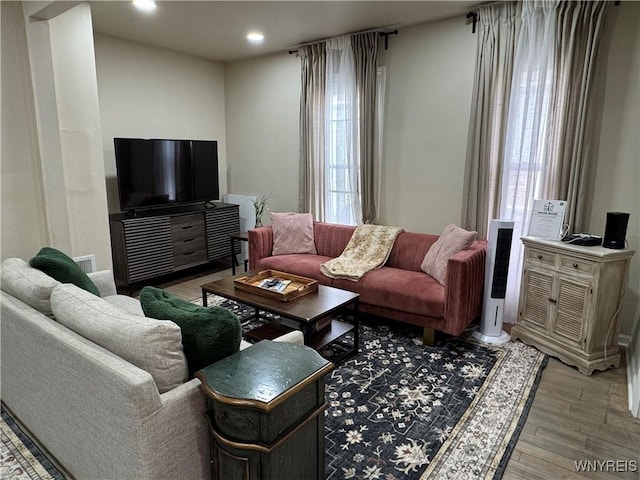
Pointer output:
x,y
343,176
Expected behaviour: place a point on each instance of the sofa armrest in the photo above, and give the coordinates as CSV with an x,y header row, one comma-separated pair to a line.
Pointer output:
x,y
176,437
295,336
464,288
104,281
260,244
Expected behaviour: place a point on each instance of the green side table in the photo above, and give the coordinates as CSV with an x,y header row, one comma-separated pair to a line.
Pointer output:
x,y
266,412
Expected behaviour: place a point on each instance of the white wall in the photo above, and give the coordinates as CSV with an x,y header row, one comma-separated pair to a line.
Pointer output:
x,y
429,84
53,167
80,135
23,218
617,173
147,92
262,105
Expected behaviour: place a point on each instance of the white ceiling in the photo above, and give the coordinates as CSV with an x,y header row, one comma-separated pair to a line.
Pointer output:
x,y
216,30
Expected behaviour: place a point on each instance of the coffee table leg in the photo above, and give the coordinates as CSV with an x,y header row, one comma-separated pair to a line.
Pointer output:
x,y
233,258
204,298
307,332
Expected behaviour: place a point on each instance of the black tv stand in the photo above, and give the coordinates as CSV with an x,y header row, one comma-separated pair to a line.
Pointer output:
x,y
149,243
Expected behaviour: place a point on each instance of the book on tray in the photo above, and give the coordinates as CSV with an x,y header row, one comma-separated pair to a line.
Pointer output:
x,y
275,284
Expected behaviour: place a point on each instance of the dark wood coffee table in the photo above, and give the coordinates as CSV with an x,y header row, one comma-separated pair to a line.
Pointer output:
x,y
305,313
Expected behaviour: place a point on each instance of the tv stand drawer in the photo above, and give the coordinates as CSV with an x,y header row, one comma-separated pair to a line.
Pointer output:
x,y
189,245
189,257
186,227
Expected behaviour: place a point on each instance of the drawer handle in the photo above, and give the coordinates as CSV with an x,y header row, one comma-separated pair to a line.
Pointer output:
x,y
539,257
552,300
575,265
187,227
189,253
188,240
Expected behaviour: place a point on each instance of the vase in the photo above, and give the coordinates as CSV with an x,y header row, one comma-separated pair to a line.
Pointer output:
x,y
258,222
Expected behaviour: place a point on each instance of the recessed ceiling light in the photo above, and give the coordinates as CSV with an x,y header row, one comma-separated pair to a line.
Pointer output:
x,y
255,37
145,5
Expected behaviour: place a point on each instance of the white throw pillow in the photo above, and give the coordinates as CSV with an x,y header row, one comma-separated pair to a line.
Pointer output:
x,y
452,240
28,284
152,345
292,233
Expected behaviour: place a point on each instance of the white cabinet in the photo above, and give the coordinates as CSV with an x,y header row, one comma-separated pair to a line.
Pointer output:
x,y
570,301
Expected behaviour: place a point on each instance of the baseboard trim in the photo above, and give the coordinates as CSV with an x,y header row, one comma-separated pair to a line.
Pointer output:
x,y
632,355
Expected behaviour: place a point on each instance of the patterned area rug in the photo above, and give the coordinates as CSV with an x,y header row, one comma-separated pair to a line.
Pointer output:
x,y
20,458
399,410
403,410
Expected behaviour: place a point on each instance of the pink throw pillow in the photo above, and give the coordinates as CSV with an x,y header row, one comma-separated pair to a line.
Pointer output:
x,y
452,240
292,233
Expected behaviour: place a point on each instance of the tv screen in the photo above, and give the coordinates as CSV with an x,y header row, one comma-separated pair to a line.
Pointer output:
x,y
153,173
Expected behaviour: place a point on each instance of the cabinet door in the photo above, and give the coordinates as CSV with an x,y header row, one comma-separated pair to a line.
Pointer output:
x,y
572,303
536,303
242,466
220,224
148,247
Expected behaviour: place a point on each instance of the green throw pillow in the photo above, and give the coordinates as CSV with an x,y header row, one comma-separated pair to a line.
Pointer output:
x,y
61,267
208,333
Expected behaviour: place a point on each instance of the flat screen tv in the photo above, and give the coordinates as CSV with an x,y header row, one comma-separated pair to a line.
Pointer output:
x,y
156,173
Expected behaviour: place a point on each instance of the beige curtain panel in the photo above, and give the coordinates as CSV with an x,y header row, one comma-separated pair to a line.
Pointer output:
x,y
312,130
567,150
570,150
365,50
498,29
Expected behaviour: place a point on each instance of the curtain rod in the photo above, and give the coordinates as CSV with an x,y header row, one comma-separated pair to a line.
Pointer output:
x,y
473,15
382,31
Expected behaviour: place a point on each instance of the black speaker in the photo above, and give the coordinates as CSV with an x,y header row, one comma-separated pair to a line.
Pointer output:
x,y
616,230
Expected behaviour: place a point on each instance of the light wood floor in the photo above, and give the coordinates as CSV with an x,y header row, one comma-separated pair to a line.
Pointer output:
x,y
573,417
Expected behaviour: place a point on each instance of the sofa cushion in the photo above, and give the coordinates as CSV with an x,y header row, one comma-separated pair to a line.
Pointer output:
x,y
452,240
60,266
292,233
208,333
152,345
28,284
331,238
128,304
397,289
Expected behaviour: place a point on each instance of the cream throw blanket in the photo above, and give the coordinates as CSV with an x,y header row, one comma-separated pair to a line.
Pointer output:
x,y
368,248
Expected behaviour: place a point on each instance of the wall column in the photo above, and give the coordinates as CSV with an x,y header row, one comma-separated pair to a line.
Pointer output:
x,y
67,112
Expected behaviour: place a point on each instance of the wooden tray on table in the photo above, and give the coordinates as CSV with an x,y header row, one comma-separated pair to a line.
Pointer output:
x,y
285,287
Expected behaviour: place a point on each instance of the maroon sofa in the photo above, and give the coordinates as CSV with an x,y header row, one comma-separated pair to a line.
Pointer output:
x,y
399,290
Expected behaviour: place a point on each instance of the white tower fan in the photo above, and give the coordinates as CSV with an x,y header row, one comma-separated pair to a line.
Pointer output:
x,y
495,283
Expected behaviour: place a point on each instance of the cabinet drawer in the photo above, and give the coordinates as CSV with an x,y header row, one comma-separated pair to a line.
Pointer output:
x,y
190,257
576,265
189,245
541,257
187,226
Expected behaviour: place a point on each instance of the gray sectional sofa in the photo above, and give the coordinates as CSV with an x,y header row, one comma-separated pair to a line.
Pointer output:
x,y
104,389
